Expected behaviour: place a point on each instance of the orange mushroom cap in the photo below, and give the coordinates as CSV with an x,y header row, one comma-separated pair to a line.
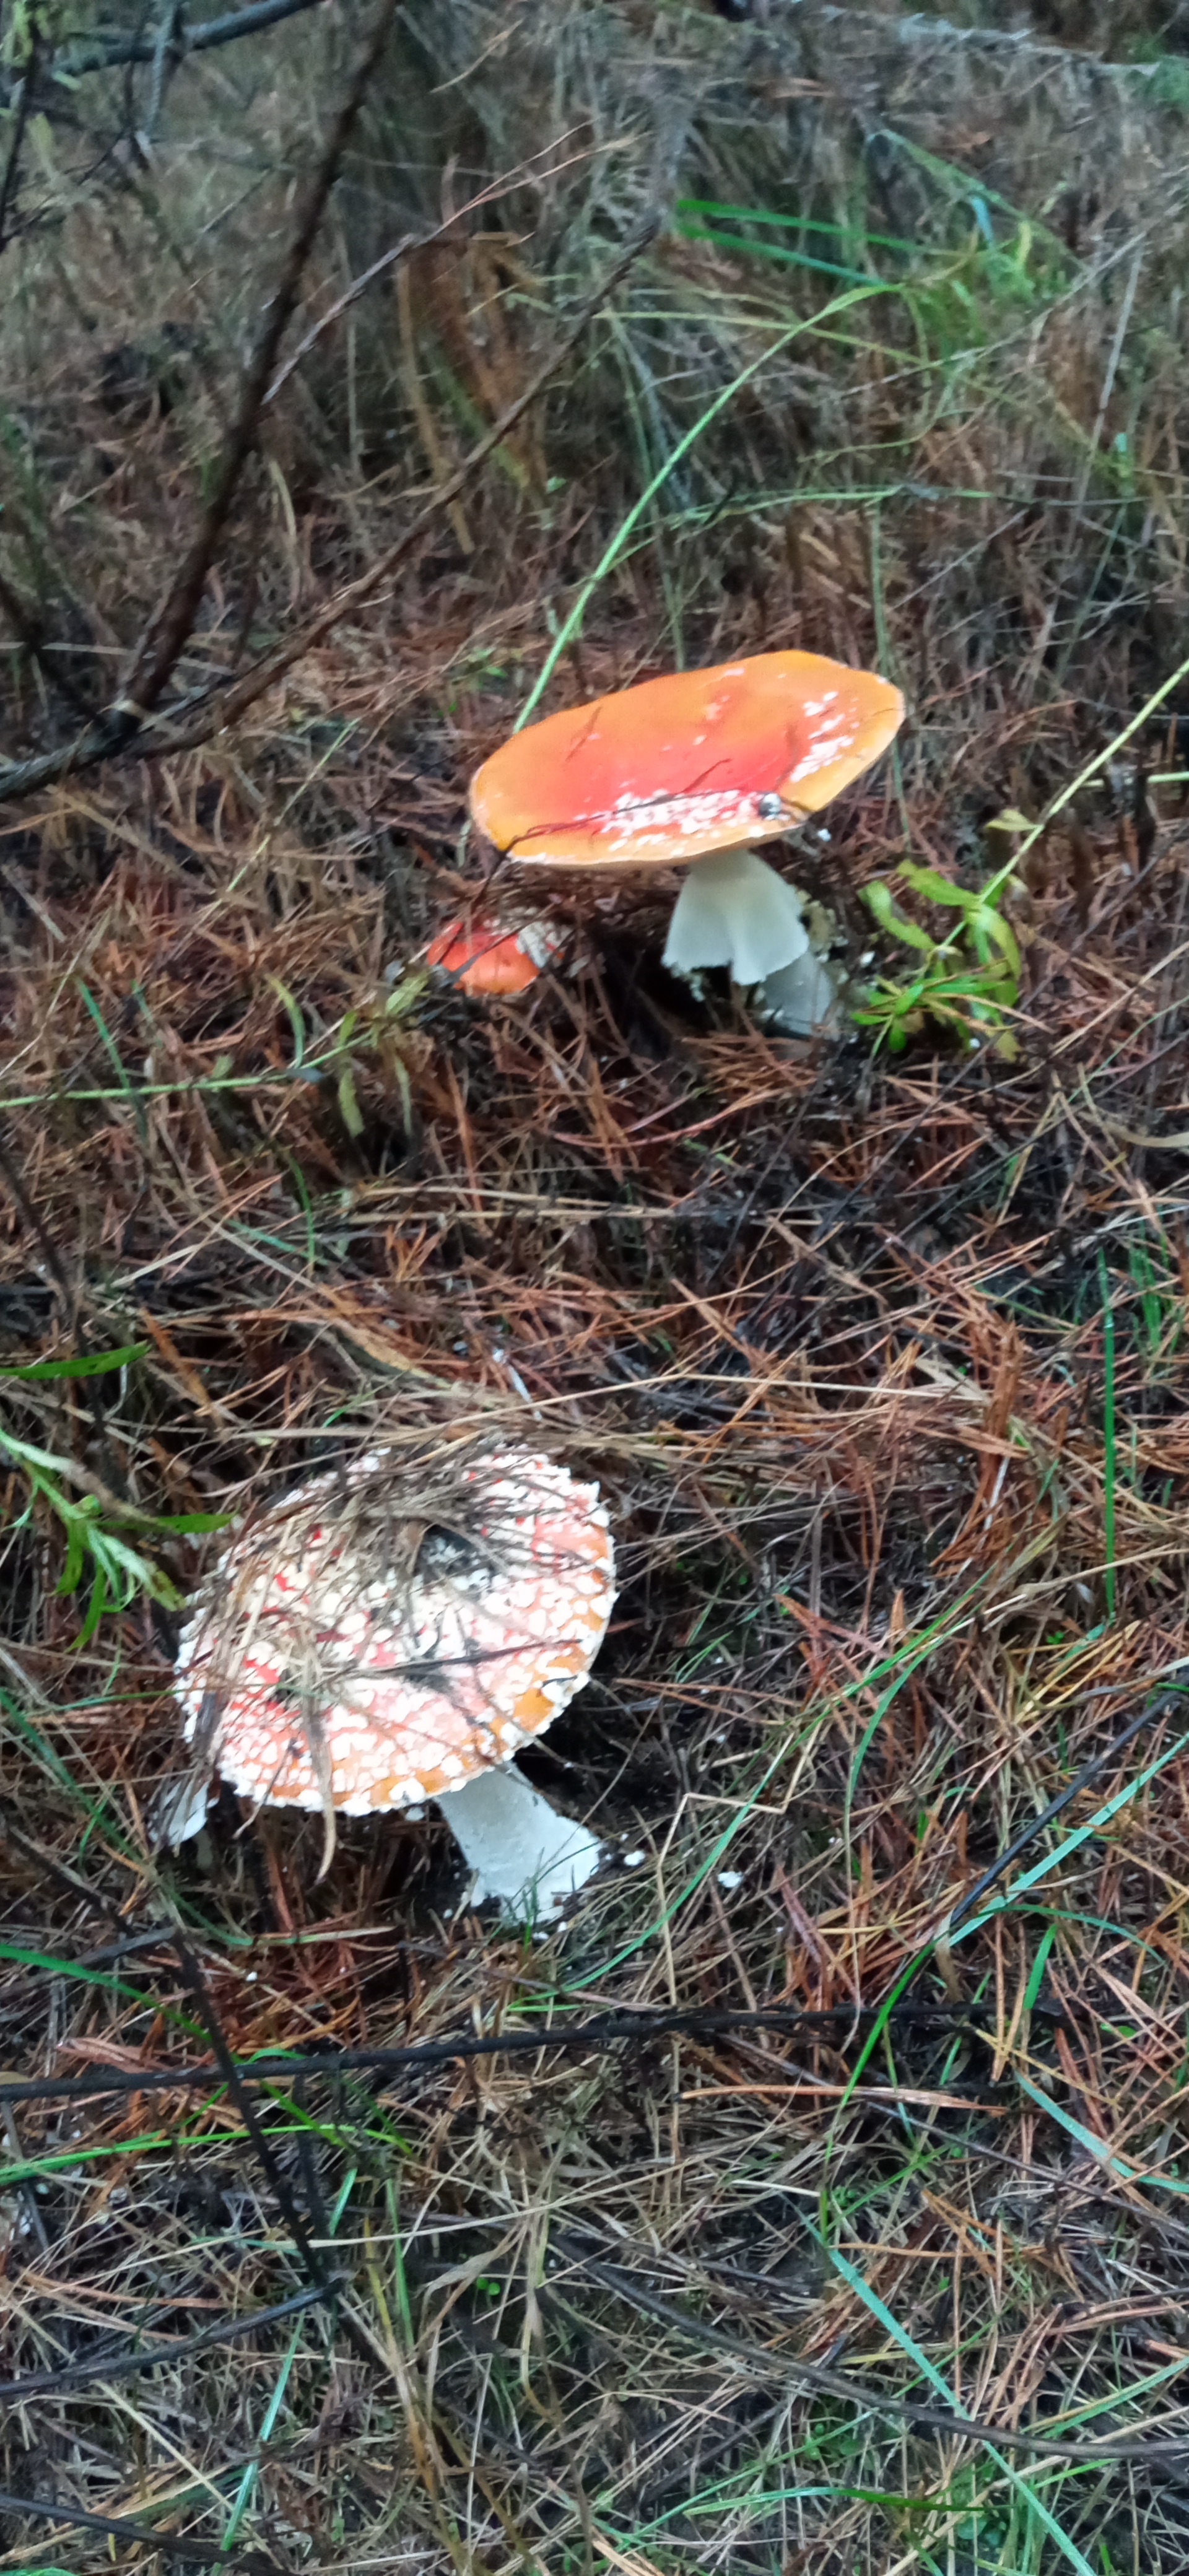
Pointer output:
x,y
306,1637
483,958
669,771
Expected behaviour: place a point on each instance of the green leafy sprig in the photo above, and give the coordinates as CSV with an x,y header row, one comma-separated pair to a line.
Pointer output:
x,y
99,1531
967,982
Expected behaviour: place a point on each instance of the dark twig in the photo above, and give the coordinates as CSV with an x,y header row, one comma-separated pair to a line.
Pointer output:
x,y
122,2365
1162,1706
193,2553
272,666
112,52
169,631
124,729
16,146
48,1248
29,631
610,2031
753,2359
315,2268
67,1879
111,1955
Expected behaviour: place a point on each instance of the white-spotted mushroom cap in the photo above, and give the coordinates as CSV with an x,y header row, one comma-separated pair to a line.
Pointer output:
x,y
349,1652
675,768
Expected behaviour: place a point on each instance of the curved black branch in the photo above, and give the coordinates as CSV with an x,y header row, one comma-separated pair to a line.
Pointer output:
x,y
168,632
8,184
180,727
112,52
127,2364
77,2517
609,2030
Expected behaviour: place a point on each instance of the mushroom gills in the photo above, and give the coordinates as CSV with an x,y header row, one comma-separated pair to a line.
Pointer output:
x,y
734,910
524,1854
178,1812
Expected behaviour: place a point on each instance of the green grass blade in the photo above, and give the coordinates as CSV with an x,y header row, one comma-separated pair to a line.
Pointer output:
x,y
1140,2175
82,1364
612,552
1021,2480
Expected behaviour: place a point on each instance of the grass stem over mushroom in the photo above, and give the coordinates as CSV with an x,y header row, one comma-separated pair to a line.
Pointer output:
x,y
485,957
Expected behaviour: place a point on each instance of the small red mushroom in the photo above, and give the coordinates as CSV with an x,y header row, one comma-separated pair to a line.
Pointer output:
x,y
691,771
483,957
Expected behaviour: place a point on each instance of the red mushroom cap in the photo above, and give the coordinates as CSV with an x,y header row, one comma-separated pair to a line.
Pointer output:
x,y
483,958
308,1640
678,767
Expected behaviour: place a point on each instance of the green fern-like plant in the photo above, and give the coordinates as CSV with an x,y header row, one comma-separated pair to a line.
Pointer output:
x,y
968,982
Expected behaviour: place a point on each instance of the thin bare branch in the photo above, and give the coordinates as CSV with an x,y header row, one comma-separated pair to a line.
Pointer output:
x,y
190,2553
12,163
126,730
272,666
167,635
29,631
527,172
111,53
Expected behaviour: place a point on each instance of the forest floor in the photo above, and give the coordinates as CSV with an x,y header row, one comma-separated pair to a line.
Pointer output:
x,y
867,2248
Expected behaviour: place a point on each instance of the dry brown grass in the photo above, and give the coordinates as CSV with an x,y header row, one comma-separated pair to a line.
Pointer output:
x,y
881,1365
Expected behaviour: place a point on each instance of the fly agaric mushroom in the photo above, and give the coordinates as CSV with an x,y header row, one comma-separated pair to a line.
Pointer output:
x,y
355,1657
483,957
690,771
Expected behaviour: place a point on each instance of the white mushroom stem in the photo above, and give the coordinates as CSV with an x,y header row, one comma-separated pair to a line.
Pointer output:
x,y
802,997
524,1853
733,910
